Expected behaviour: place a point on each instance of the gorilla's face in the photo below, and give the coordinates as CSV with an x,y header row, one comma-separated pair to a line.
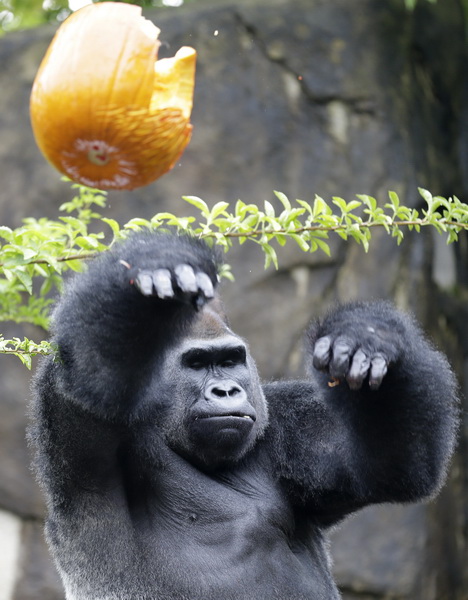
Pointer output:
x,y
219,410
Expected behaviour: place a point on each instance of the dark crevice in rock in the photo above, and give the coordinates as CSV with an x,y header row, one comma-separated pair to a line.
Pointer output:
x,y
361,105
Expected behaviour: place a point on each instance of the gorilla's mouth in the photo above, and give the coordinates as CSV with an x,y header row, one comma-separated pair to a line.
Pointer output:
x,y
225,417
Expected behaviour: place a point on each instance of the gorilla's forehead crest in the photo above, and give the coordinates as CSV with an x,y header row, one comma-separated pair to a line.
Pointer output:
x,y
211,323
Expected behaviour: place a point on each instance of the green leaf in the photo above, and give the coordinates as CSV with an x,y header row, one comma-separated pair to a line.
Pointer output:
x,y
369,201
394,199
198,203
283,199
77,224
281,239
301,242
353,205
26,359
269,209
112,224
294,214
218,209
76,265
25,279
6,233
340,203
41,270
29,253
323,246
270,255
225,272
320,207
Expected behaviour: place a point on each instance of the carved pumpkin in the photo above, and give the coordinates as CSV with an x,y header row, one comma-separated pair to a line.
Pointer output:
x,y
104,112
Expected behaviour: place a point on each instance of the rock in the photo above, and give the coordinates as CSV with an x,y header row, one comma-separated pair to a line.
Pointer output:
x,y
381,551
37,577
19,492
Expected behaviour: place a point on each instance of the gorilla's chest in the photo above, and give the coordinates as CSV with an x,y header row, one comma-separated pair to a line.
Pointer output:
x,y
229,536
188,535
231,510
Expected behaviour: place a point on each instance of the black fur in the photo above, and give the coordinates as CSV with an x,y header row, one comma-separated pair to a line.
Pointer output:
x,y
158,490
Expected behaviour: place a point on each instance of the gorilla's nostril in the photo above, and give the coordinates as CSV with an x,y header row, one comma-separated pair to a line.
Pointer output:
x,y
225,391
219,392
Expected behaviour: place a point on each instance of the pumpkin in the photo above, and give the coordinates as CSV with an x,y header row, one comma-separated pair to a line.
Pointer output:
x,y
104,111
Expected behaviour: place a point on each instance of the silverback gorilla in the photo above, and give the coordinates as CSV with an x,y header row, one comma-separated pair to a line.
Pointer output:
x,y
171,473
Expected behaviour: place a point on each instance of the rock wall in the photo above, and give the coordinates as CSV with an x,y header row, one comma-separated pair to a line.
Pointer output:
x,y
312,96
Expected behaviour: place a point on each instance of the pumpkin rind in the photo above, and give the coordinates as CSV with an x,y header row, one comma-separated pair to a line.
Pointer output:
x,y
103,112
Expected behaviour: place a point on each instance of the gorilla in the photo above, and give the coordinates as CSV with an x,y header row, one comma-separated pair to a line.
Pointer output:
x,y
172,473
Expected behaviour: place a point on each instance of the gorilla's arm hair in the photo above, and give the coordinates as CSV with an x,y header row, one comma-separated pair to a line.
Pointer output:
x,y
110,338
338,449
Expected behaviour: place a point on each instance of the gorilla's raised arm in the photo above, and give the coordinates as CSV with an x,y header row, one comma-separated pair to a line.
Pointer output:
x,y
112,327
378,422
115,322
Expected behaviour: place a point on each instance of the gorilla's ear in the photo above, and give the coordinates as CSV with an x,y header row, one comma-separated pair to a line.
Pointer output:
x,y
211,321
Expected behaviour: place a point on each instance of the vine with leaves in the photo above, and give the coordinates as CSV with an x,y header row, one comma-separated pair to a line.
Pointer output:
x,y
35,256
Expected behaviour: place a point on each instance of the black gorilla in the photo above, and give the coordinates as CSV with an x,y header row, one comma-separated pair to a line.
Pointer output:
x,y
172,473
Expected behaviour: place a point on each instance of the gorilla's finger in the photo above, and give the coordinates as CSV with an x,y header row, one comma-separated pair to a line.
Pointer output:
x,y
360,365
341,356
378,371
186,279
163,283
321,355
144,282
204,285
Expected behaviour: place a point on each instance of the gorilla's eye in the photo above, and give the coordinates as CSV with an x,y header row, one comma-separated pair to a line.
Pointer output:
x,y
228,363
197,365
195,359
232,357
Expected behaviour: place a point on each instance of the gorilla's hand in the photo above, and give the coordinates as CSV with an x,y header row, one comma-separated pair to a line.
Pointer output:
x,y
181,283
359,342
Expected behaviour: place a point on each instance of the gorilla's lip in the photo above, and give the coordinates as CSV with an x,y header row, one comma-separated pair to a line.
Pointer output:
x,y
226,416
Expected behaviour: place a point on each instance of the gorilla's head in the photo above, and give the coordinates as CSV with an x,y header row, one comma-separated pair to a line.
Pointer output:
x,y
217,410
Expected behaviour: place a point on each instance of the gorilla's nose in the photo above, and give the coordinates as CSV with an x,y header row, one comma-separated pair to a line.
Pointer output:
x,y
224,390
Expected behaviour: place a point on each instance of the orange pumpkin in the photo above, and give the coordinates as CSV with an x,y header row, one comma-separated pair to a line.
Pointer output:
x,y
104,111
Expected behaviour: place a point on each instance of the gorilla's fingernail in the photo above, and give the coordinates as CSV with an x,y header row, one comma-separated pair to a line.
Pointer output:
x,y
321,353
186,279
378,371
205,285
163,283
144,283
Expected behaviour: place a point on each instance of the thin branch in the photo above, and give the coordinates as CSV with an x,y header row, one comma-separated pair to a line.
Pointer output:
x,y
280,231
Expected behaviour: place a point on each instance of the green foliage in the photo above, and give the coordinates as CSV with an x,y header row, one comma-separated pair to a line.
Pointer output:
x,y
35,256
411,4
25,349
24,14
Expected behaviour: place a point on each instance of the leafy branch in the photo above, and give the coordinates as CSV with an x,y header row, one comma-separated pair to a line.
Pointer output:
x,y
26,349
35,256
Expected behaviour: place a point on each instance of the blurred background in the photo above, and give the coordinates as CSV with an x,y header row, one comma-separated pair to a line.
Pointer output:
x,y
334,97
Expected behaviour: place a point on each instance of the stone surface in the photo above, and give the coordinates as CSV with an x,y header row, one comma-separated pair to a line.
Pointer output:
x,y
10,536
311,96
18,490
381,551
37,578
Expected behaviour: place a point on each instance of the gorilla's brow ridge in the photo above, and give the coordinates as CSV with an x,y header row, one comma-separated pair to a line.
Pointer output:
x,y
215,353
